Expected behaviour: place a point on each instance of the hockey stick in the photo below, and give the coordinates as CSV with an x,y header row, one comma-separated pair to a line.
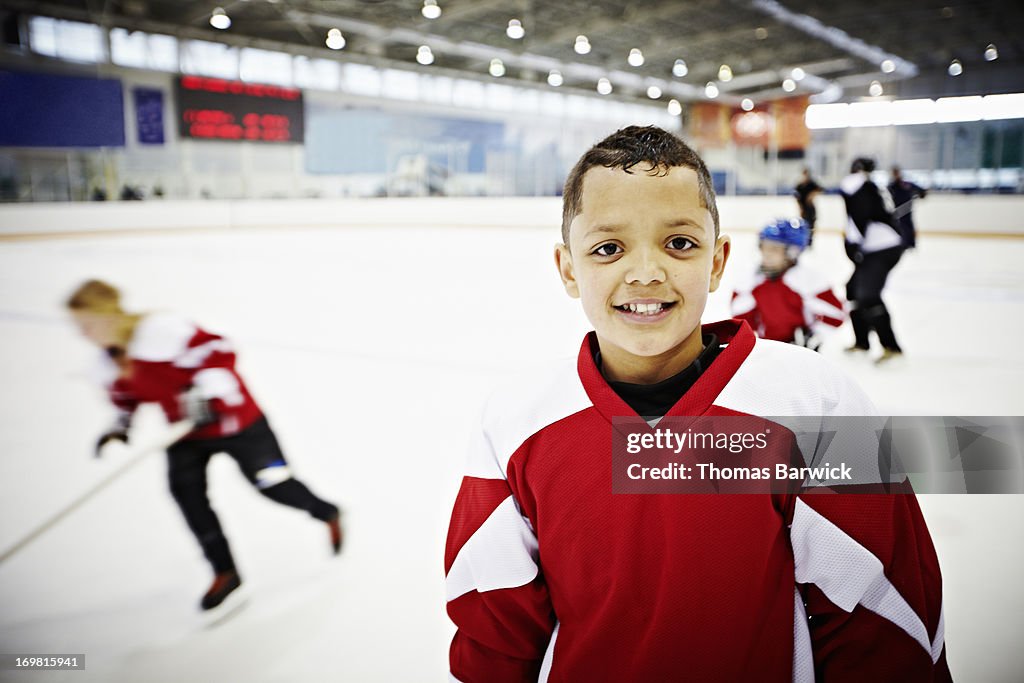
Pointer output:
x,y
136,454
903,209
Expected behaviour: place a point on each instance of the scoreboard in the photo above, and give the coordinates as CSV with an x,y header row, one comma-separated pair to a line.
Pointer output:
x,y
216,109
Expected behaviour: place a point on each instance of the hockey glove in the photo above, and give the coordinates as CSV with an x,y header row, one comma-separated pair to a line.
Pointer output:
x,y
116,434
807,339
196,408
854,253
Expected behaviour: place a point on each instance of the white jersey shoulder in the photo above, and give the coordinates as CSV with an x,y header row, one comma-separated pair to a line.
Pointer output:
x,y
851,183
161,337
805,280
538,398
743,292
104,370
779,379
747,280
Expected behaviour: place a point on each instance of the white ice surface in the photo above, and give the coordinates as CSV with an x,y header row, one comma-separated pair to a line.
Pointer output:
x,y
370,350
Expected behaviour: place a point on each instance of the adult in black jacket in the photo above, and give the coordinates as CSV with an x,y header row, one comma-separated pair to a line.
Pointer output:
x,y
874,244
903,193
805,193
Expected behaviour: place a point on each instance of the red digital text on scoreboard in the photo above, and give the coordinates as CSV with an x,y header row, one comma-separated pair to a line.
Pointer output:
x,y
219,85
219,124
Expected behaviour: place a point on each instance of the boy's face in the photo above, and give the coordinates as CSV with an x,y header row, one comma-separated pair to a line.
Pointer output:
x,y
773,255
99,328
642,257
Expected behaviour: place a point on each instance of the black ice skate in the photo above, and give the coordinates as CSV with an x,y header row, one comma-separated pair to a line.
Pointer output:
x,y
334,527
223,585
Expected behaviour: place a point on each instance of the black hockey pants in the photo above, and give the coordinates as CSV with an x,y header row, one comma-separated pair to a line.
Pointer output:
x,y
259,456
864,292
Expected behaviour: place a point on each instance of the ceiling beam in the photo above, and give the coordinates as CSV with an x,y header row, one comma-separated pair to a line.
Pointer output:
x,y
525,60
605,24
834,36
466,10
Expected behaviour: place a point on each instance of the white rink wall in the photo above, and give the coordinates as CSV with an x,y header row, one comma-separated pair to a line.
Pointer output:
x,y
939,213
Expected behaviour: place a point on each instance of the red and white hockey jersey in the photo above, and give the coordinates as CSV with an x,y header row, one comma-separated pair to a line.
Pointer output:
x,y
551,577
801,299
169,355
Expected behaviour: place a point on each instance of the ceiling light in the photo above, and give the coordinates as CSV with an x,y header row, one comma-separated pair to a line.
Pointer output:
x,y
725,73
582,45
711,90
888,66
789,85
955,68
654,92
515,29
219,18
747,104
424,56
335,40
679,69
636,58
555,79
497,68
431,10
760,33
604,86
797,74
991,53
875,89
674,108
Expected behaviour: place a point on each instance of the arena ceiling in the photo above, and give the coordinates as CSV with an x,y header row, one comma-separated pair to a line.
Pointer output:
x,y
839,46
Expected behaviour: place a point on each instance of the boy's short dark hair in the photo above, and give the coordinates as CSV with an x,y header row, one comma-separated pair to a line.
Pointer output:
x,y
865,164
625,149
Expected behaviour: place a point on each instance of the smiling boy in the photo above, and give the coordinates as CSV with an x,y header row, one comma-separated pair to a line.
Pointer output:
x,y
551,577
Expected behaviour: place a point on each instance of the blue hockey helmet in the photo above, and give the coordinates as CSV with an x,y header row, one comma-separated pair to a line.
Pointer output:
x,y
793,232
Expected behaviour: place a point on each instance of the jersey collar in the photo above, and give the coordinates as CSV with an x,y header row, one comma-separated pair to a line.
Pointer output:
x,y
735,334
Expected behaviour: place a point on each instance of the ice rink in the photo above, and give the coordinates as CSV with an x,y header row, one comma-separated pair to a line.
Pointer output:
x,y
371,349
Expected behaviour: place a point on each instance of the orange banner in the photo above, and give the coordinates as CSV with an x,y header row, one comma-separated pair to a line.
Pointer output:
x,y
790,130
709,124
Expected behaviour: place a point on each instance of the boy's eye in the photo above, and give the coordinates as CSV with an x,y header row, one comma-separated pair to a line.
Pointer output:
x,y
681,243
609,249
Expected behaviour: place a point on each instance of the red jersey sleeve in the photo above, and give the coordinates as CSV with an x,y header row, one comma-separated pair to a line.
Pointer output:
x,y
496,594
869,578
744,306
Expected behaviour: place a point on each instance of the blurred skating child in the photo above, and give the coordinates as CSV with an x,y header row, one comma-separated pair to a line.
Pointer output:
x,y
552,577
164,358
875,245
784,299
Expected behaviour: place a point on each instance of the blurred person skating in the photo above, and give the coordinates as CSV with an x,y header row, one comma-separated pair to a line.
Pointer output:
x,y
787,300
903,193
166,359
805,192
874,244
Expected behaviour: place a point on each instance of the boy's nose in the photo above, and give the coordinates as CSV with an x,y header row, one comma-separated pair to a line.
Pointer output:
x,y
645,269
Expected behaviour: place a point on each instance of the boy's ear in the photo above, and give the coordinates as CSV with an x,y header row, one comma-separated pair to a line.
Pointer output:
x,y
563,261
722,248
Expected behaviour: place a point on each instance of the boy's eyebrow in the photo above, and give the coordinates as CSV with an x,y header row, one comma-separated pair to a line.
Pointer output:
x,y
680,222
602,228
671,223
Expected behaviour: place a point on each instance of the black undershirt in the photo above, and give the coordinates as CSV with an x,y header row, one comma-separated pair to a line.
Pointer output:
x,y
654,400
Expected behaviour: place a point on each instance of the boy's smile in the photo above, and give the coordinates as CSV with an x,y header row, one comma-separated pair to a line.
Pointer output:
x,y
642,257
